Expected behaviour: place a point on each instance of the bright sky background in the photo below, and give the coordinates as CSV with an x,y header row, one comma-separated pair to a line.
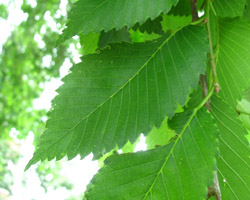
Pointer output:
x,y
79,172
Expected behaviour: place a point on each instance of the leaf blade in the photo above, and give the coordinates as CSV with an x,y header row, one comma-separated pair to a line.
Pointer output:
x,y
107,98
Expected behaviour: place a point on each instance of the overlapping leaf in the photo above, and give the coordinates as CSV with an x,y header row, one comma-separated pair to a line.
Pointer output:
x,y
114,96
233,67
232,8
182,169
150,26
172,22
234,160
89,42
159,136
98,15
113,36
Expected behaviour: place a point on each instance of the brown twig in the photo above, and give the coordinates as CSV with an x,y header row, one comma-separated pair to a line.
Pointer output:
x,y
204,86
193,4
203,78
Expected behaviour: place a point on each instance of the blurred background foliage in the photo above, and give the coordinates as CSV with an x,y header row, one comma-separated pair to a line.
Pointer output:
x,y
29,59
22,66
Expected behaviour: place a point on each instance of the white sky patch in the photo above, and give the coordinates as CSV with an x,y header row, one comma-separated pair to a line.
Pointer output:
x,y
141,145
43,29
74,52
65,68
39,40
47,61
78,45
80,171
62,9
50,22
13,134
201,13
49,92
33,3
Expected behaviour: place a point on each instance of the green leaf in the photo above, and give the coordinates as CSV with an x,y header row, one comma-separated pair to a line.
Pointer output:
x,y
114,36
150,26
180,170
233,59
232,8
128,148
159,136
243,109
244,112
89,42
213,21
172,22
247,10
114,96
98,15
247,95
137,36
234,160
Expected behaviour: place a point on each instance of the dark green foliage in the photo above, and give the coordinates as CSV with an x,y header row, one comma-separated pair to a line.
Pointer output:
x,y
113,36
150,26
126,86
144,84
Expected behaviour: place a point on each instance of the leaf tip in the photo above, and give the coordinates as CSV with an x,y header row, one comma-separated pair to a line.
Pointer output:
x,y
29,165
59,41
32,161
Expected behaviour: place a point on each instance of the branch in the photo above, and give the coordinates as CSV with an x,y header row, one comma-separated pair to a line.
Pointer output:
x,y
193,4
